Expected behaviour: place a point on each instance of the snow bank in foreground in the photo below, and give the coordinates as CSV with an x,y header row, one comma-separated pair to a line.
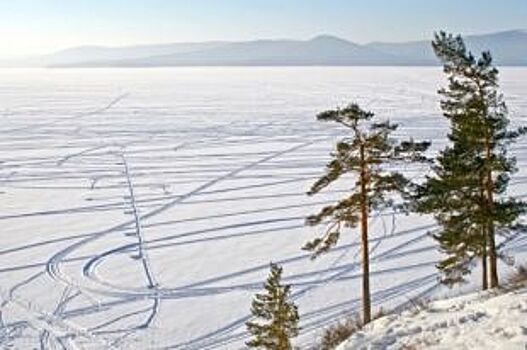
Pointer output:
x,y
475,321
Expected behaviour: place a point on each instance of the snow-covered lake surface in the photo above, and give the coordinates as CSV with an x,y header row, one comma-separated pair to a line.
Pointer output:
x,y
210,166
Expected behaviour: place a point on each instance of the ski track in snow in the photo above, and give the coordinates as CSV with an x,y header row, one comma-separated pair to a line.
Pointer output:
x,y
150,221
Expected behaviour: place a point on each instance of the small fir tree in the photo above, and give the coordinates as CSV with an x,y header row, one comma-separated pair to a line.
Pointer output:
x,y
466,194
366,153
277,316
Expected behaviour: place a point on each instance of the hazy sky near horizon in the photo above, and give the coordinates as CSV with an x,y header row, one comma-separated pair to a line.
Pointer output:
x,y
42,26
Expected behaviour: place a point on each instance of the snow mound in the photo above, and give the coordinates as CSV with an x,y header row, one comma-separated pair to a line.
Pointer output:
x,y
474,321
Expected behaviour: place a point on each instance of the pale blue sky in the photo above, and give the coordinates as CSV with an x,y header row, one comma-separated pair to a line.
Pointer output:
x,y
39,26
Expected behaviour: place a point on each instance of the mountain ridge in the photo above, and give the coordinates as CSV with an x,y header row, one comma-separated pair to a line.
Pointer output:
x,y
509,48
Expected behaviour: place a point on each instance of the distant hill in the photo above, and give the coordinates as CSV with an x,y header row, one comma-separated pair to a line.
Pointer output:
x,y
85,54
508,48
322,50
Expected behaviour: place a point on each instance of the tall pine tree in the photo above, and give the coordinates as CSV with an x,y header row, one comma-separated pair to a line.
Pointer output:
x,y
366,153
277,316
467,193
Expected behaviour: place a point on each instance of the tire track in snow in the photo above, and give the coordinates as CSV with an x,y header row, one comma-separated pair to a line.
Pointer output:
x,y
53,264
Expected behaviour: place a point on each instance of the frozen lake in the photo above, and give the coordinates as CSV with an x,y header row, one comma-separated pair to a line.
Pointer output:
x,y
215,163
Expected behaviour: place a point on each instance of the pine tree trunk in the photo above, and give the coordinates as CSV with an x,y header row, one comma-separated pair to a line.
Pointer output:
x,y
366,298
484,274
493,264
484,265
489,190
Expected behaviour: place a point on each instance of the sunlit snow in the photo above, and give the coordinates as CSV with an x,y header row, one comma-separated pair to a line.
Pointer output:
x,y
141,208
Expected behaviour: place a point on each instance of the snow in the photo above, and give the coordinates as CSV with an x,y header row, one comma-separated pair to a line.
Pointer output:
x,y
474,321
215,163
